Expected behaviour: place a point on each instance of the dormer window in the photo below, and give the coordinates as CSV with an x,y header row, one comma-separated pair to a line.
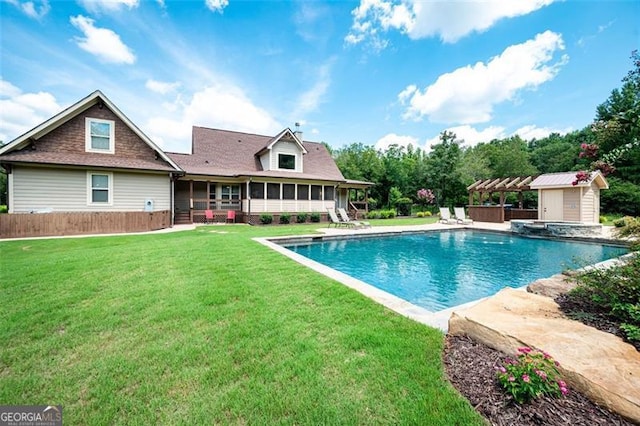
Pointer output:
x,y
286,161
99,135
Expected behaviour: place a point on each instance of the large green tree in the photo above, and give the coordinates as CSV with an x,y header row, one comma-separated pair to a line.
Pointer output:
x,y
444,170
617,125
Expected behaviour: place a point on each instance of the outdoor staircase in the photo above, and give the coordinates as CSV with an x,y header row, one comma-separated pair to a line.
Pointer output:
x,y
182,218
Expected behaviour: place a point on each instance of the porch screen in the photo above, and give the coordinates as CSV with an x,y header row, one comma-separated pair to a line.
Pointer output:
x,y
316,192
257,190
303,192
288,191
328,193
273,191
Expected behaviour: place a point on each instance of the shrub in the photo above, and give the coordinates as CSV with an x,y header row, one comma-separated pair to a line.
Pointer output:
x,y
266,218
603,219
373,214
428,213
315,217
301,217
616,291
3,209
622,197
285,218
420,214
627,227
533,374
404,206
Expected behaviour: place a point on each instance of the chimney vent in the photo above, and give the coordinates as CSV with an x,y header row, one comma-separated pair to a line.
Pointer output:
x,y
298,132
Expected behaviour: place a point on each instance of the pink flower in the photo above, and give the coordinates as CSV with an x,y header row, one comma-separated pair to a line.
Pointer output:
x,y
564,390
524,350
546,355
525,378
562,384
541,374
512,379
502,370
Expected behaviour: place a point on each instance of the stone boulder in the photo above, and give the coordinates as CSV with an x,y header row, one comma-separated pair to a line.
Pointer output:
x,y
598,364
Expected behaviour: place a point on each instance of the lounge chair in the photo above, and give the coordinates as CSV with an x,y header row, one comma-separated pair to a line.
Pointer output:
x,y
334,220
345,218
461,217
445,216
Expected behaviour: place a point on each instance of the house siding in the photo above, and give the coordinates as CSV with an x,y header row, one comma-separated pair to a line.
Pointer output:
x,y
290,148
65,190
70,137
571,205
588,206
289,206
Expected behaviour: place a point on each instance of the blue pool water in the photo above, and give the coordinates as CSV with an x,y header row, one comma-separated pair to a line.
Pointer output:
x,y
439,270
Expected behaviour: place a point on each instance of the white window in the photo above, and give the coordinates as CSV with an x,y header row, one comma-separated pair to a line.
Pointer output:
x,y
99,135
99,188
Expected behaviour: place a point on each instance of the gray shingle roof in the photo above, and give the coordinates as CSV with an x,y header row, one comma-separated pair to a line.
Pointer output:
x,y
85,159
228,153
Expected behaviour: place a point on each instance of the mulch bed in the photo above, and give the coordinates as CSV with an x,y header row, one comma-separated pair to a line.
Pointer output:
x,y
471,369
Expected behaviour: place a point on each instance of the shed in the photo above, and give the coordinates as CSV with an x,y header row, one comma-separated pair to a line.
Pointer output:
x,y
562,200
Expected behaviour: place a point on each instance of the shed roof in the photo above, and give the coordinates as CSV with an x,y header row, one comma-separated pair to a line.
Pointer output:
x,y
566,180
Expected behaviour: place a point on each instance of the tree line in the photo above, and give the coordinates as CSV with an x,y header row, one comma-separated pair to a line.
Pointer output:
x,y
449,167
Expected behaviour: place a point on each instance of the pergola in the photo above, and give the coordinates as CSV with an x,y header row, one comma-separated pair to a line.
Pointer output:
x,y
488,187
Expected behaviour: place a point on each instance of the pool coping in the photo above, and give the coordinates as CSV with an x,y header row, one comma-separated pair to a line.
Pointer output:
x,y
436,319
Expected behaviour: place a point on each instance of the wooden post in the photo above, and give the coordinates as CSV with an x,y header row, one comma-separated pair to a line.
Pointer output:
x,y
191,201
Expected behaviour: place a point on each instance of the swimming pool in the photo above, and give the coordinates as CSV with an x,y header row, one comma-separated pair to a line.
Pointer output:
x,y
439,270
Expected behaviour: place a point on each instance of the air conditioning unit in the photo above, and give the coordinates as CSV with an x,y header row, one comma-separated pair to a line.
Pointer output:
x,y
148,205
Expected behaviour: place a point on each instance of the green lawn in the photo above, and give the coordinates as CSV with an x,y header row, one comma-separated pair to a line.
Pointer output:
x,y
208,327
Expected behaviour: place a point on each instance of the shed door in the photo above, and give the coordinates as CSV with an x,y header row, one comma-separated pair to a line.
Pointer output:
x,y
552,202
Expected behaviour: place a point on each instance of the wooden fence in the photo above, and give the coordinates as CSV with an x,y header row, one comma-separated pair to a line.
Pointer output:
x,y
76,223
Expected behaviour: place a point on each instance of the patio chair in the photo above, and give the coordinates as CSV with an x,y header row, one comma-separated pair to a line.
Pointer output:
x,y
208,216
345,218
334,220
461,217
445,216
231,216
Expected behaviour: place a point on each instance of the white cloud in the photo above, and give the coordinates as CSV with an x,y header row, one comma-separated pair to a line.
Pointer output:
x,y
450,20
218,106
392,139
101,42
309,100
467,95
530,132
162,87
217,5
20,112
96,6
33,9
471,136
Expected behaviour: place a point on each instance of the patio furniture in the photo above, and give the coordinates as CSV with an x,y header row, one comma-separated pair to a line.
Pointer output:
x,y
208,216
334,220
445,216
345,218
461,217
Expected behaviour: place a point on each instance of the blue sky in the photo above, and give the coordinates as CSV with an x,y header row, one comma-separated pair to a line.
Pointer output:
x,y
375,72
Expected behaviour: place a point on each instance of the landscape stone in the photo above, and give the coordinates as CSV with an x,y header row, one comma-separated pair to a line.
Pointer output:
x,y
553,286
598,364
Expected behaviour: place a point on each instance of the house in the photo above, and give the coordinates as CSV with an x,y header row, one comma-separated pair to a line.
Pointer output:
x,y
92,170
253,174
559,199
